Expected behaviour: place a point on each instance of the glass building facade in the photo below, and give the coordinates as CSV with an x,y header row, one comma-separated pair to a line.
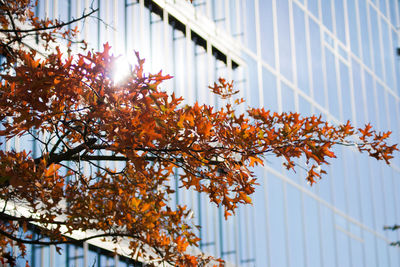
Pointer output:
x,y
336,58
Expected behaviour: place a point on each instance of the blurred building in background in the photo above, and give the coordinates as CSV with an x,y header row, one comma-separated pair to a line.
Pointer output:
x,y
335,58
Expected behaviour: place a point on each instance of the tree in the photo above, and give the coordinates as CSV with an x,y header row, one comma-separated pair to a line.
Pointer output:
x,y
83,121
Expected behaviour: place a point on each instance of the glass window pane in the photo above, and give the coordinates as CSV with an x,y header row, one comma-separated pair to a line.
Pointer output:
x,y
313,6
366,199
316,63
334,106
311,216
393,12
328,239
353,27
250,31
358,95
370,96
252,81
376,42
340,23
352,185
370,250
261,218
267,32
396,62
276,210
377,194
345,91
285,54
382,252
356,246
382,114
364,33
304,106
270,91
382,6
295,226
337,175
287,99
388,54
327,14
301,49
342,244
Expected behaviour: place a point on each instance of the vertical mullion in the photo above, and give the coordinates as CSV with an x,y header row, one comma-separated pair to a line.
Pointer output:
x,y
303,226
33,257
115,36
395,78
397,14
175,85
85,25
209,66
338,81
189,78
369,175
42,256
209,8
309,57
105,29
346,23
371,44
141,24
338,86
190,87
227,17
238,18
52,251
116,260
166,45
384,78
150,37
221,229
55,8
47,9
98,24
77,14
326,105
211,72
285,214
237,238
360,47
126,26
246,230
277,58
266,202
85,253
353,110
324,73
294,59
259,64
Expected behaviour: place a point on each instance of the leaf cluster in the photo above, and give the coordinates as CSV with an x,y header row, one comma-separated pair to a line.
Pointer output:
x,y
108,152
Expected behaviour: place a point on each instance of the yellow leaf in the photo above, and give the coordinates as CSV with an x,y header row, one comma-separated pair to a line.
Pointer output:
x,y
51,170
135,202
145,207
255,160
247,199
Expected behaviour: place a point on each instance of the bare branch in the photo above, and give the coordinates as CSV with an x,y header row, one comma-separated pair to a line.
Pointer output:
x,y
67,241
57,26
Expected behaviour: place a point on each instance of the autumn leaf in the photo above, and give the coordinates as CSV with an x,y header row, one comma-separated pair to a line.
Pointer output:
x,y
105,154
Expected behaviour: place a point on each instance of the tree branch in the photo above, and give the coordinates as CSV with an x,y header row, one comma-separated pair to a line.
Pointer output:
x,y
68,241
56,158
52,27
14,27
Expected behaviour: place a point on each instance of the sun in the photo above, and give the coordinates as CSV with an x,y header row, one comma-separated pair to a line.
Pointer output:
x,y
122,69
